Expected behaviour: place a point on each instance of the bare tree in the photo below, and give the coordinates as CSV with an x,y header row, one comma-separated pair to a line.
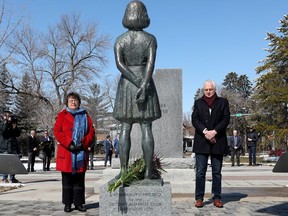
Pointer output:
x,y
110,88
79,56
68,57
9,24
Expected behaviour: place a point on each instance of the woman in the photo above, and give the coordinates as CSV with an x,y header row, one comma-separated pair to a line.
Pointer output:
x,y
136,98
74,132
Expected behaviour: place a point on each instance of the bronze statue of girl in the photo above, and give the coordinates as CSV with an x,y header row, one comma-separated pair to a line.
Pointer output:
x,y
136,99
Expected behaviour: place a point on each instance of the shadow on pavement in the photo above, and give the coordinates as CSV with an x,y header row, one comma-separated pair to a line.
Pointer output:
x,y
280,209
92,205
39,181
229,197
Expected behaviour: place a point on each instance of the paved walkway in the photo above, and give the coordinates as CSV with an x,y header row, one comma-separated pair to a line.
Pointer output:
x,y
246,191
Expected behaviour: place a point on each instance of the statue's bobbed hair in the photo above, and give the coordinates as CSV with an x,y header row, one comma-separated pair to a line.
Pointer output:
x,y
136,16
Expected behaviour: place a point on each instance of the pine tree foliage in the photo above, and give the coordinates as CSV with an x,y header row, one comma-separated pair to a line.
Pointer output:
x,y
237,89
26,105
198,94
271,88
96,104
6,100
237,84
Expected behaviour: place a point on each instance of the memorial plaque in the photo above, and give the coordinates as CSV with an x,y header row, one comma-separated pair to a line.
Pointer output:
x,y
140,200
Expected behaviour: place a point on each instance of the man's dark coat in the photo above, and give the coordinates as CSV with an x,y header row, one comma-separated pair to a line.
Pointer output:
x,y
218,120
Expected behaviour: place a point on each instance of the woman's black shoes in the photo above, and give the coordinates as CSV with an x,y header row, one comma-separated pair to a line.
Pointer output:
x,y
80,208
67,208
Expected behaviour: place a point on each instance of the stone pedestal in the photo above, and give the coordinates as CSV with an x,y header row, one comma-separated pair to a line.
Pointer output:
x,y
147,197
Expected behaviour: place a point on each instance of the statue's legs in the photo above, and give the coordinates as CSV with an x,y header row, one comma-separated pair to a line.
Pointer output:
x,y
124,147
148,150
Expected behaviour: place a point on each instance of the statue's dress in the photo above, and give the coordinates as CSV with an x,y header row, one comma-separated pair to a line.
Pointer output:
x,y
134,48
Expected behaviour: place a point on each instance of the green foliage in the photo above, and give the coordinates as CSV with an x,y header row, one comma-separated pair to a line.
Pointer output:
x,y
96,104
198,94
238,84
271,88
26,106
136,172
5,95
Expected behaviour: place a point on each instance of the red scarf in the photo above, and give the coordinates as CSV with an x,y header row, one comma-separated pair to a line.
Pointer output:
x,y
210,100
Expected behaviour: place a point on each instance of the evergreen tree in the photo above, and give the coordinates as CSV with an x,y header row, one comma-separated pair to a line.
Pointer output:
x,y
198,94
237,90
230,82
26,105
97,105
238,84
244,86
271,87
6,100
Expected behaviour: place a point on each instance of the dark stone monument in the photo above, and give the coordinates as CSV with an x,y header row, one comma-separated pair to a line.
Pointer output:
x,y
281,165
11,164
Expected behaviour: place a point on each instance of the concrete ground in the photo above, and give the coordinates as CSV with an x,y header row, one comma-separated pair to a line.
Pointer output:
x,y
246,191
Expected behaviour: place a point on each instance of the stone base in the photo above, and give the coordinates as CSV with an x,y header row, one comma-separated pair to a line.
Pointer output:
x,y
147,197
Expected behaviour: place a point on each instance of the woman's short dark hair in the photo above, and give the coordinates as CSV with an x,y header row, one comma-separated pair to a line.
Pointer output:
x,y
72,95
136,16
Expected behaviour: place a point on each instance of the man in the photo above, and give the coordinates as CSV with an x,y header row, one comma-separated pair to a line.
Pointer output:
x,y
116,145
3,140
235,148
3,129
252,139
210,118
108,150
47,145
31,149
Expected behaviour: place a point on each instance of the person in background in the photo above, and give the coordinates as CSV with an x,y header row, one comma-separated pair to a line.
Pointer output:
x,y
47,144
252,138
210,118
3,141
235,148
108,150
11,143
32,148
74,132
91,149
116,145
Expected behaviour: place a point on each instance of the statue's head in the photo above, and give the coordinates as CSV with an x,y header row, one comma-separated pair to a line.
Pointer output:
x,y
136,16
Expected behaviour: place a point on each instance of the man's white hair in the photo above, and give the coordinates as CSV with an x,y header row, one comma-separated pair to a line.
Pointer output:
x,y
209,81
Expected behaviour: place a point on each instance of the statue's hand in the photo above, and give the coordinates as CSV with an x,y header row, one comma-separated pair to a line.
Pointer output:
x,y
138,82
140,95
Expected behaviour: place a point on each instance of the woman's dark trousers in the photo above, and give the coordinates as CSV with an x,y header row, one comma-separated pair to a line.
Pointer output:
x,y
73,188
